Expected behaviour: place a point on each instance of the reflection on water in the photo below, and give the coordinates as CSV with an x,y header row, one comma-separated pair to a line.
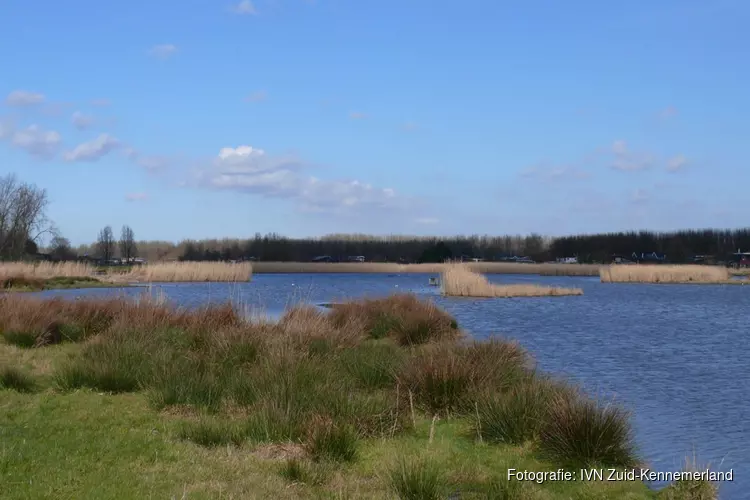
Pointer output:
x,y
676,355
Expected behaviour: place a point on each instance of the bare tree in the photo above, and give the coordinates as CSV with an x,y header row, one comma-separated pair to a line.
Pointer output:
x,y
60,248
23,217
128,248
105,244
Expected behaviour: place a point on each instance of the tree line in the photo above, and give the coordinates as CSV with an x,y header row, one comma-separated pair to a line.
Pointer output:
x,y
24,223
677,246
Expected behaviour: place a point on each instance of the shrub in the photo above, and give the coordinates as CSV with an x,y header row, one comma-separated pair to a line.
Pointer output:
x,y
13,378
582,432
418,480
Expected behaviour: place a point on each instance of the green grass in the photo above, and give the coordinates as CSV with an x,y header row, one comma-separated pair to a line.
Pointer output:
x,y
103,446
17,380
152,403
56,283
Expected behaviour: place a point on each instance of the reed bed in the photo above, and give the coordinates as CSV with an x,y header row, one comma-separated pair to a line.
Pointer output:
x,y
665,274
44,270
460,280
547,269
188,272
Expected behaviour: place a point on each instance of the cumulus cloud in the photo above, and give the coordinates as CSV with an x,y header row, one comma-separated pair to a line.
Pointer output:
x,y
24,98
93,150
36,141
257,96
136,197
676,163
244,8
626,160
81,121
250,170
163,51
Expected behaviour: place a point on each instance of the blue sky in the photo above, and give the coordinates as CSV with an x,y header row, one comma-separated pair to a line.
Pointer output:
x,y
200,119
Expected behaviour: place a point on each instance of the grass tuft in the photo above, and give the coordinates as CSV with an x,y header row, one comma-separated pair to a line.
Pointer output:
x,y
331,442
582,432
212,432
515,417
17,380
418,480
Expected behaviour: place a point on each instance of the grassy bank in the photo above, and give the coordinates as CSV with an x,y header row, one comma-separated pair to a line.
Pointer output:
x,y
674,274
24,284
460,281
44,275
378,399
393,268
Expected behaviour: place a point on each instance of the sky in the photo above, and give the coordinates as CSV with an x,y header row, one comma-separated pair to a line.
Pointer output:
x,y
212,119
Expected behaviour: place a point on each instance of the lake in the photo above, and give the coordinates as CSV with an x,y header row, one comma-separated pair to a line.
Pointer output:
x,y
675,355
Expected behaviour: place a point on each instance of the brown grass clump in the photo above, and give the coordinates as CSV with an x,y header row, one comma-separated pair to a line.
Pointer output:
x,y
460,281
403,317
190,272
44,270
446,378
664,274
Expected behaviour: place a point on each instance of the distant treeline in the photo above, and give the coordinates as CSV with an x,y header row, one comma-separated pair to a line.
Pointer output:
x,y
679,247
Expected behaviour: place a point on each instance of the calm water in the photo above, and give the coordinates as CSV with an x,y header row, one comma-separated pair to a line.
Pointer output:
x,y
677,356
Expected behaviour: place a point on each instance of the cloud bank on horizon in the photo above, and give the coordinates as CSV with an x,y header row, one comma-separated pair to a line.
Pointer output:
x,y
484,130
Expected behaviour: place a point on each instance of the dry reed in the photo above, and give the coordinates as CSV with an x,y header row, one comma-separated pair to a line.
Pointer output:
x,y
44,270
460,281
189,272
549,269
664,274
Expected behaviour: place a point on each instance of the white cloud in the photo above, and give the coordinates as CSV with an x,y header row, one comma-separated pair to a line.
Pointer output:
x,y
93,150
37,141
257,96
136,197
24,98
676,163
628,161
163,51
81,121
250,170
245,7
